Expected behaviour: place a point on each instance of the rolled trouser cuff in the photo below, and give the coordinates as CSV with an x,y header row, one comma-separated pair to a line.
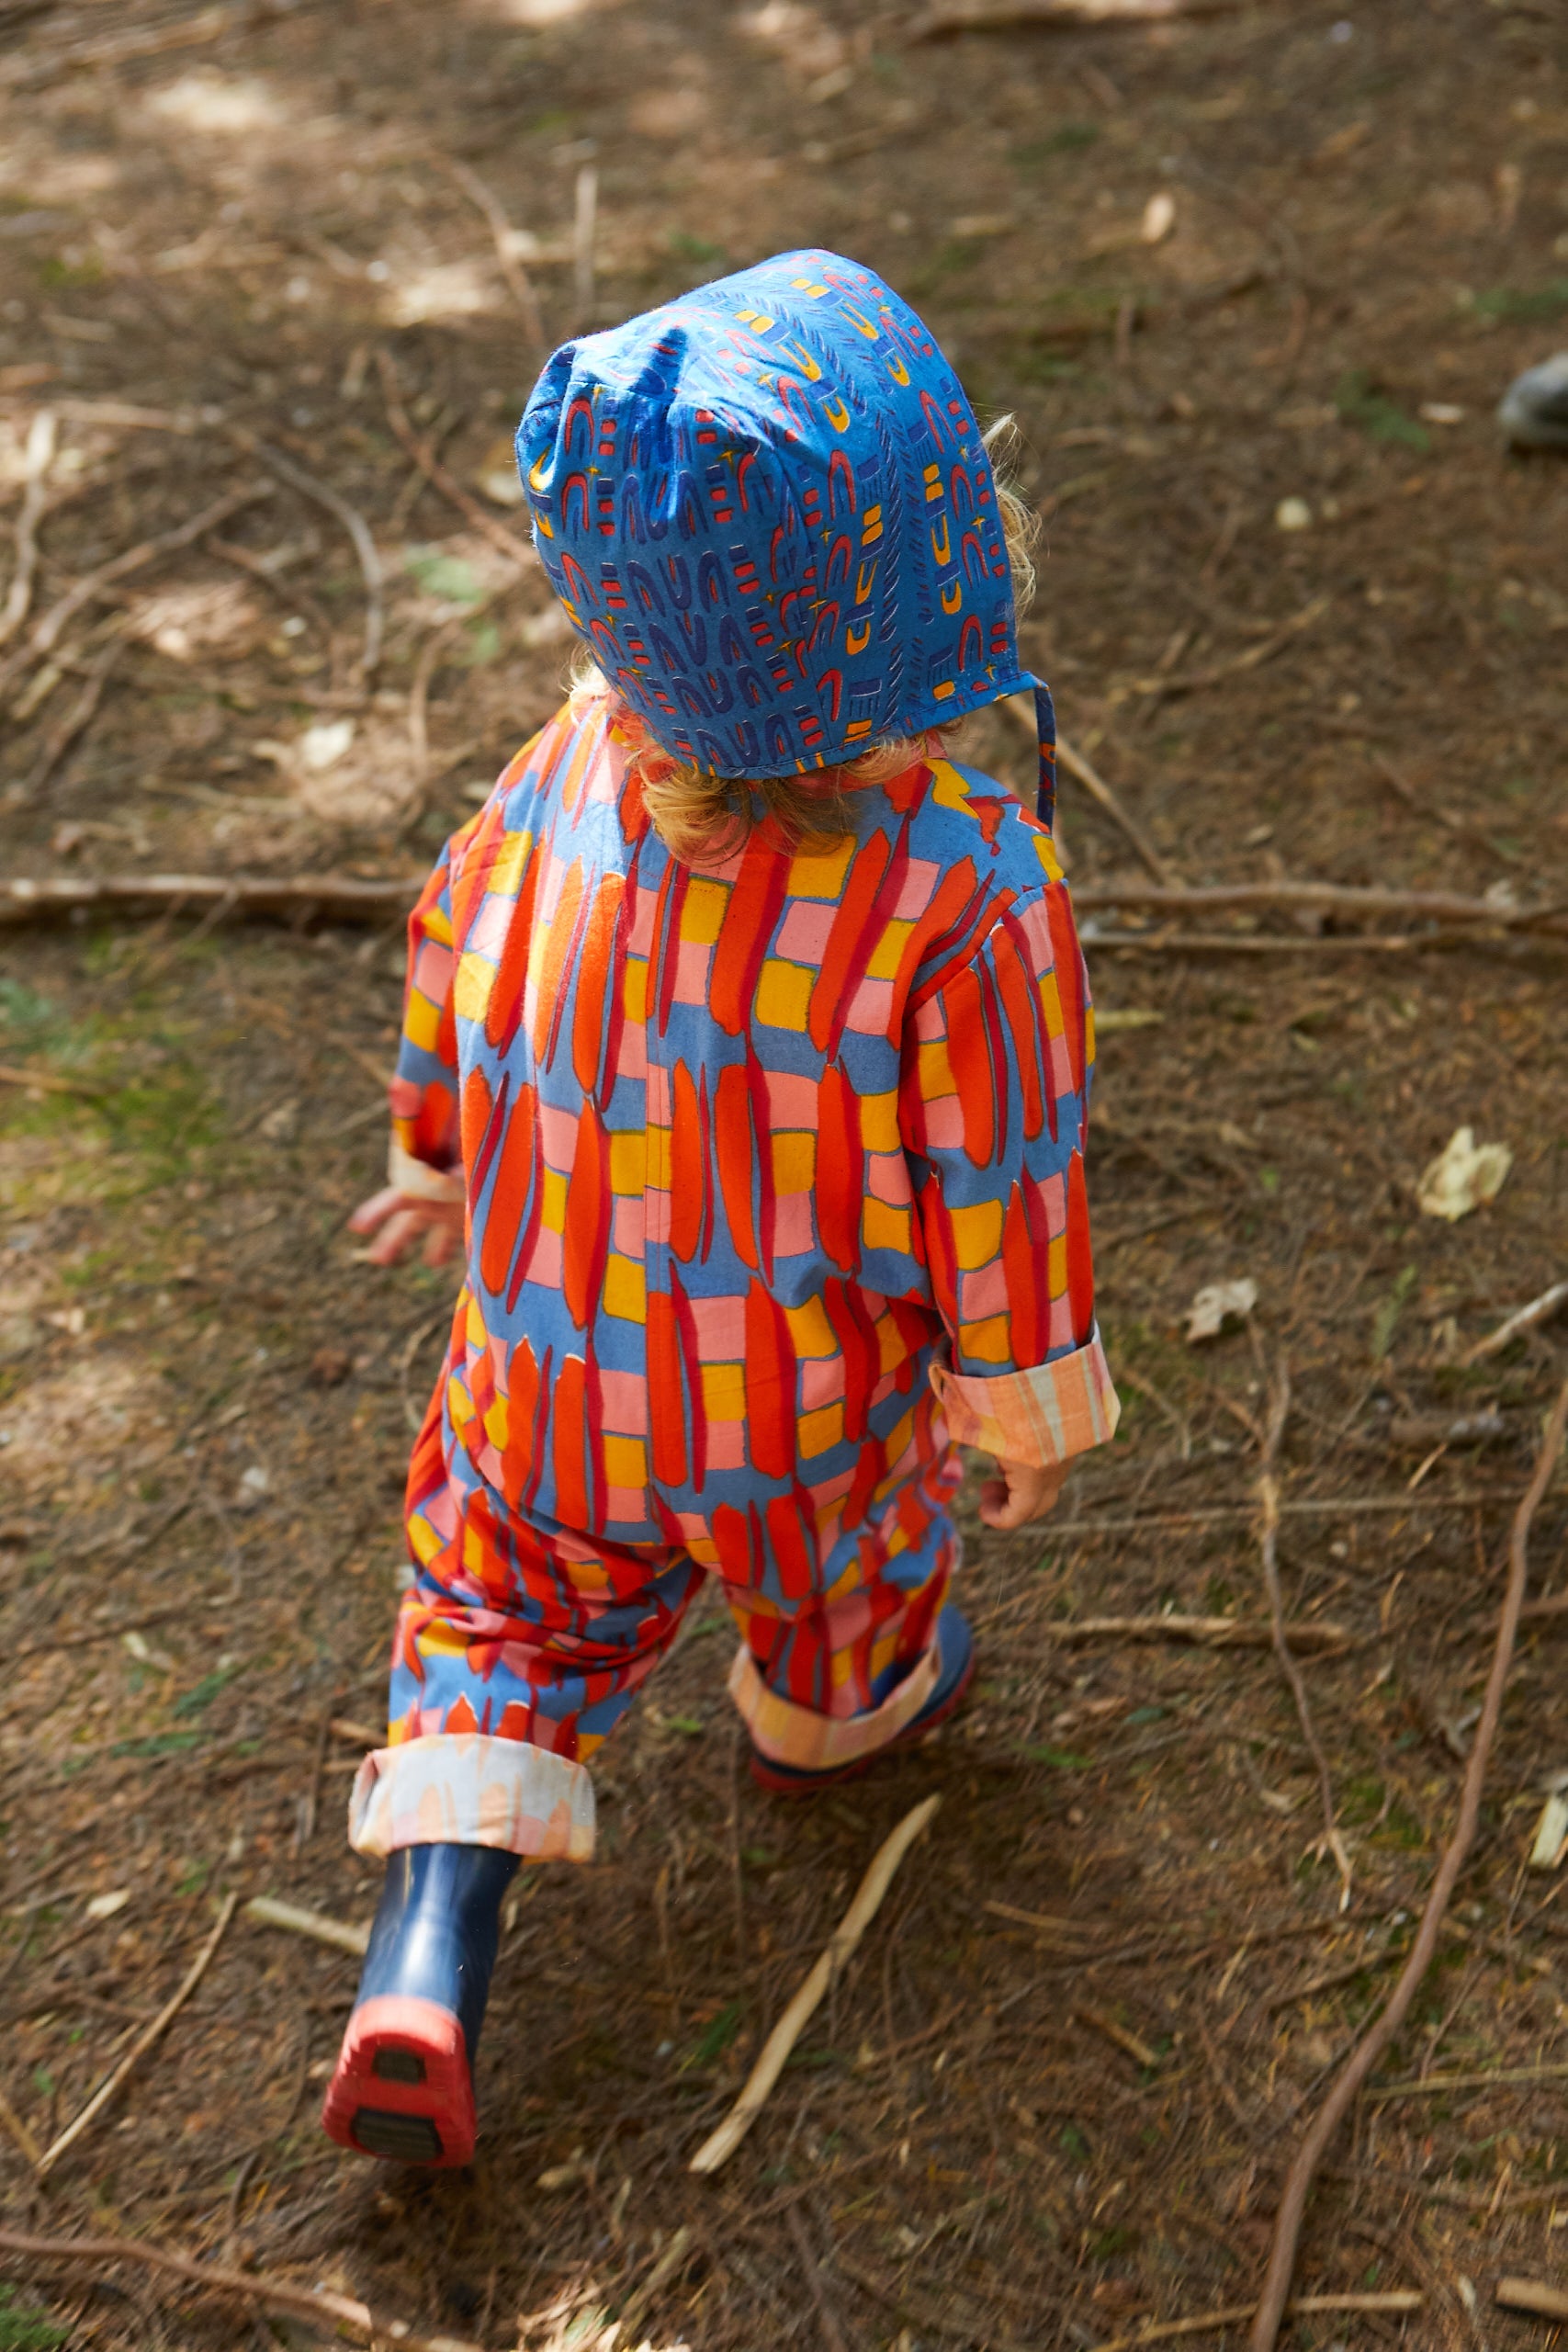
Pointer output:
x,y
466,1789
790,1734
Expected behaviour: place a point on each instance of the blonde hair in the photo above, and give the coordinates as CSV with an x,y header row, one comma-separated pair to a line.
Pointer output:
x,y
703,819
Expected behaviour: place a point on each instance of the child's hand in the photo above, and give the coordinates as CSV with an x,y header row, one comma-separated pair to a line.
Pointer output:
x,y
399,1221
1021,1494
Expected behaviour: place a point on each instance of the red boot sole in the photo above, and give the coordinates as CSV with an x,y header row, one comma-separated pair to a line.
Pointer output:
x,y
402,2090
782,1783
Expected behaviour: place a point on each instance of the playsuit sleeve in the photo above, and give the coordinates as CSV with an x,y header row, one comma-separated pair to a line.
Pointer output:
x,y
1000,1043
423,1159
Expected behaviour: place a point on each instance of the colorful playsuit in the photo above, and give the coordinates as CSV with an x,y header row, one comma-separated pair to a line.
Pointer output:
x,y
773,1168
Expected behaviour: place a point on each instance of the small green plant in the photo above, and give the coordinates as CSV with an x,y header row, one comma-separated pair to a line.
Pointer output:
x,y
1385,1321
1360,403
1067,139
1524,302
1061,1760
24,2328
715,2036
687,247
446,576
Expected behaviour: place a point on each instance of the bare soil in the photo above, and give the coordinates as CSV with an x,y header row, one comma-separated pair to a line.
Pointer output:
x,y
213,223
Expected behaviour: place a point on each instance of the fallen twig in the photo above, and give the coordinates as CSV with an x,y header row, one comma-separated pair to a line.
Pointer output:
x,y
672,2256
48,631
267,1912
1187,682
353,522
1118,2035
1523,1318
1513,2294
344,1726
342,895
77,719
1268,1545
827,2317
1371,2044
19,2133
1061,16
1222,1633
1334,942
517,551
722,2143
143,2044
519,284
1432,2086
37,460
1094,784
317,2303
19,1074
1328,898
1206,2323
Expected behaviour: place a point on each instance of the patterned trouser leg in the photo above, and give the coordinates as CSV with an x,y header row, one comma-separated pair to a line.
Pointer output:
x,y
518,1648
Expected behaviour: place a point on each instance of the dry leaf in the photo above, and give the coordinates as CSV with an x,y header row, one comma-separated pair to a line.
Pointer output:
x,y
1551,1835
1219,1303
104,1907
1464,1176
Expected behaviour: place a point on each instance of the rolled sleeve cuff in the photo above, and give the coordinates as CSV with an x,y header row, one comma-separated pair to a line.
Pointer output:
x,y
466,1789
417,1181
1039,1417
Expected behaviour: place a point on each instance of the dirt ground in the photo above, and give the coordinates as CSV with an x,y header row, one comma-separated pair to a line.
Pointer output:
x,y
241,246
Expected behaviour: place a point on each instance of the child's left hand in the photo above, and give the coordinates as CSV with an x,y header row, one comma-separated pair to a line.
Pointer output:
x,y
399,1221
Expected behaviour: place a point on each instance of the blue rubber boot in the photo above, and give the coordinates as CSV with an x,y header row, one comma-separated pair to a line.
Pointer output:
x,y
404,2084
956,1671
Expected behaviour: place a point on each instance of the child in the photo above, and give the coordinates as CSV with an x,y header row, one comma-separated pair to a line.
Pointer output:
x,y
747,1045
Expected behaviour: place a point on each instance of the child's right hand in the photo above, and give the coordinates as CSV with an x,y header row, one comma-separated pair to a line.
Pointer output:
x,y
399,1221
1021,1494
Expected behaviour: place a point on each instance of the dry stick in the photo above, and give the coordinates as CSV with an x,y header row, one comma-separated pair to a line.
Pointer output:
x,y
584,224
1230,942
77,719
1513,2294
519,284
19,2131
48,632
722,2143
1268,1551
38,458
1094,784
1187,682
267,1912
1330,897
436,473
1377,2036
51,1083
669,2260
1427,2086
1062,16
1401,2299
833,2335
306,2303
23,899
1524,1318
1223,1633
143,2044
353,522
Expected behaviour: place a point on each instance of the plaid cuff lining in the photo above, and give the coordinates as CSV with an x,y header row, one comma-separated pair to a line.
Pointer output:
x,y
465,1789
1039,1417
790,1734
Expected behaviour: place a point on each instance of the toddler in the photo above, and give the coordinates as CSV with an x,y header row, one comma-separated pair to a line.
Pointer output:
x,y
746,1051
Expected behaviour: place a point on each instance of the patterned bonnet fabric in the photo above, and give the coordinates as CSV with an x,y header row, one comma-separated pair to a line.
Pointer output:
x,y
769,512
